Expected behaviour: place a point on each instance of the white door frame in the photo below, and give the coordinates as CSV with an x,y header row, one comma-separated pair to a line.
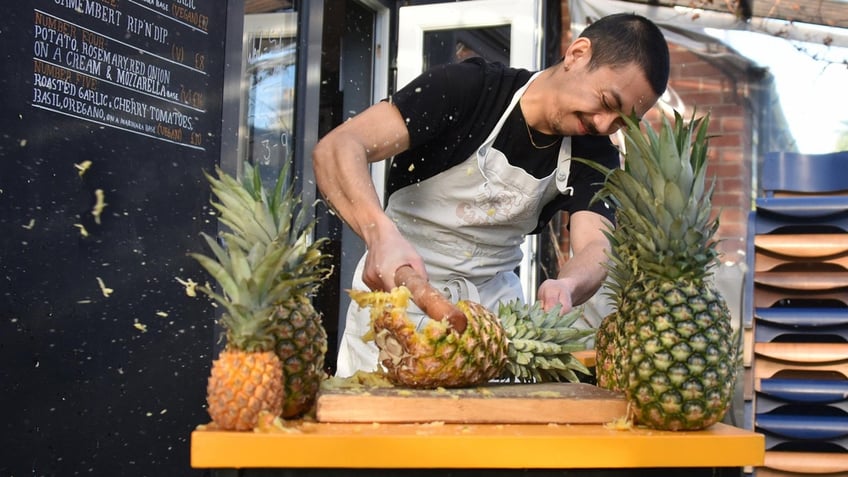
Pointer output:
x,y
380,87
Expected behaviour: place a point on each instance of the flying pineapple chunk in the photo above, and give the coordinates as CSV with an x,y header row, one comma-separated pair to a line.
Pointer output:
x,y
669,343
526,344
267,269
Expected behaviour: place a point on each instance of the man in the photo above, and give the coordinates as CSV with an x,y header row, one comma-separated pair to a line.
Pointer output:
x,y
482,158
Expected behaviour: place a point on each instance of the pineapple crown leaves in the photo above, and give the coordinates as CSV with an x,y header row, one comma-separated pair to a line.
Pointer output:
x,y
274,220
250,280
662,203
672,165
246,297
541,343
265,258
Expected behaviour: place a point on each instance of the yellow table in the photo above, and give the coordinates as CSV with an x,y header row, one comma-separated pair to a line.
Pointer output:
x,y
310,445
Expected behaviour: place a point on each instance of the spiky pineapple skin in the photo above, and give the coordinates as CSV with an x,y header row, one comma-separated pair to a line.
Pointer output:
x,y
606,353
611,340
682,367
301,344
241,386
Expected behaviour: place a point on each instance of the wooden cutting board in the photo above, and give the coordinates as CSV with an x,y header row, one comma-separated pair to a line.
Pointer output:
x,y
559,403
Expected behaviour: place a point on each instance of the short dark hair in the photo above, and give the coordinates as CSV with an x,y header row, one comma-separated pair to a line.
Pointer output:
x,y
623,38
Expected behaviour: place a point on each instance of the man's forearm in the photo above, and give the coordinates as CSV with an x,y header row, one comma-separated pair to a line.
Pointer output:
x,y
341,162
585,272
344,181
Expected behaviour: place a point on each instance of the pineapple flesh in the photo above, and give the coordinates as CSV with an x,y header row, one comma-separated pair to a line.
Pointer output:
x,y
669,344
267,268
522,344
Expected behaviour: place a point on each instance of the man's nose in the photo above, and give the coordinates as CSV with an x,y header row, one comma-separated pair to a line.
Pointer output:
x,y
607,123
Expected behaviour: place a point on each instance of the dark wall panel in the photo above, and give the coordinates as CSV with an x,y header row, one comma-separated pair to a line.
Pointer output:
x,y
111,111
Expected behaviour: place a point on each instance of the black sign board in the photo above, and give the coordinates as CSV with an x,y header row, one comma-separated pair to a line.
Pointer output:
x,y
111,112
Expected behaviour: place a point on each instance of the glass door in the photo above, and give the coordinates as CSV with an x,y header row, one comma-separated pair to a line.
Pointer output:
x,y
508,31
270,64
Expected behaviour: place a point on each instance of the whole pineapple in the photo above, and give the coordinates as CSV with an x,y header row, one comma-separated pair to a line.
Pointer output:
x,y
247,377
669,344
269,268
526,344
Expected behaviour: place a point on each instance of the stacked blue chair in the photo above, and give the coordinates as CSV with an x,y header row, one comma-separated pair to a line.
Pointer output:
x,y
796,314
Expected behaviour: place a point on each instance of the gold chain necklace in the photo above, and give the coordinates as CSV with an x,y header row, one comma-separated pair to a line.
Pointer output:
x,y
530,135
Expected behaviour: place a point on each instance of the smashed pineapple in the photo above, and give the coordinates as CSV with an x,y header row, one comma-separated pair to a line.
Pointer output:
x,y
82,167
360,380
99,205
106,291
190,286
83,231
623,423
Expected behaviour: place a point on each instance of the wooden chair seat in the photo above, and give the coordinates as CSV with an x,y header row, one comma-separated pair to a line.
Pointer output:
x,y
806,361
813,252
804,352
765,261
803,463
764,296
798,280
803,245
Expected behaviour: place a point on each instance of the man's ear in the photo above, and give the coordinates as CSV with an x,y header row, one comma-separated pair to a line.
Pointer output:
x,y
579,51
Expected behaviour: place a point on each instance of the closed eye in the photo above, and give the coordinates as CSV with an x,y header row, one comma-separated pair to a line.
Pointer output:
x,y
615,105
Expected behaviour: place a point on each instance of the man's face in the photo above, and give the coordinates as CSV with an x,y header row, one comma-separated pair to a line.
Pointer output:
x,y
593,101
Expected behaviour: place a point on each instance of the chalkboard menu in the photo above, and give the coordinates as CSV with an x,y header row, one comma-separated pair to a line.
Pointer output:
x,y
136,65
111,112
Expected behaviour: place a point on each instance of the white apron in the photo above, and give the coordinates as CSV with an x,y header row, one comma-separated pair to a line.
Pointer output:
x,y
467,223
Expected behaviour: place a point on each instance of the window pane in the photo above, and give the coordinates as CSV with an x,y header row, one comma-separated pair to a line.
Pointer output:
x,y
269,76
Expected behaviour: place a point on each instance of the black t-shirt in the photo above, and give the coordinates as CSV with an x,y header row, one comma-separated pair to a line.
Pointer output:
x,y
451,109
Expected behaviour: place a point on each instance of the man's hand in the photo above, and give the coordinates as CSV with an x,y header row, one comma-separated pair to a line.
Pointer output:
x,y
555,292
583,273
385,255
